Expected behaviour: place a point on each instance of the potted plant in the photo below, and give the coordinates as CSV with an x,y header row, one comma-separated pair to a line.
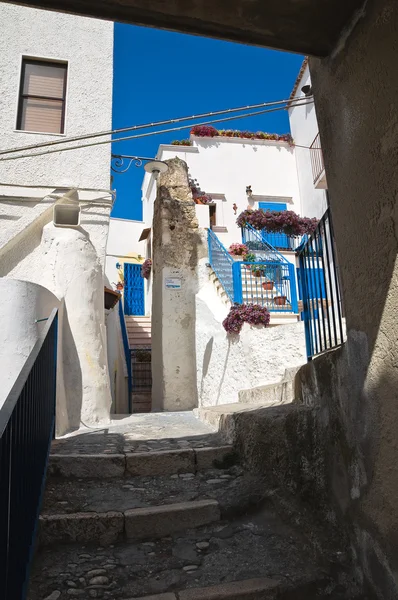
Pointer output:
x,y
250,258
238,251
268,285
120,285
280,300
257,271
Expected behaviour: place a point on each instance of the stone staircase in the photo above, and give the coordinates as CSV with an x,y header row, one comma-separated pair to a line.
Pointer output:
x,y
126,516
139,329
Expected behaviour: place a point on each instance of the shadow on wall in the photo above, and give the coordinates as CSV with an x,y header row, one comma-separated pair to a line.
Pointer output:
x,y
69,413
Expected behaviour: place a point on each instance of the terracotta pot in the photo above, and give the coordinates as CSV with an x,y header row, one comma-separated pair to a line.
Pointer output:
x,y
268,285
258,273
119,286
280,300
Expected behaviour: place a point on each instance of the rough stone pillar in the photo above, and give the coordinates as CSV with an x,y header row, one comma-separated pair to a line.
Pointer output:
x,y
177,248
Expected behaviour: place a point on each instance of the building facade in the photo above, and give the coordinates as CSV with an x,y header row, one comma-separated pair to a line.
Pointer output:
x,y
55,84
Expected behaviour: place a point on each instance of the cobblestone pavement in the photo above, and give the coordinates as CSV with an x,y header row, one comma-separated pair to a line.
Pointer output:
x,y
232,488
263,546
140,433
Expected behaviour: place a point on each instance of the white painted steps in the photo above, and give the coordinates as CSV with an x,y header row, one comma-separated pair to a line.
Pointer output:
x,y
139,330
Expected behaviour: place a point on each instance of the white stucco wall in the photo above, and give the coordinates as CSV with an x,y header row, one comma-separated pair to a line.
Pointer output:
x,y
224,167
304,128
227,364
87,46
123,246
22,303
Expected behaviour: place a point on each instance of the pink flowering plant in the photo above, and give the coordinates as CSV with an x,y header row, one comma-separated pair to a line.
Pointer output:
x,y
238,250
208,131
285,221
254,314
146,268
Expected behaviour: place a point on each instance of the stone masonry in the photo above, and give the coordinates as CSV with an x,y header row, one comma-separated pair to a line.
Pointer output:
x,y
157,507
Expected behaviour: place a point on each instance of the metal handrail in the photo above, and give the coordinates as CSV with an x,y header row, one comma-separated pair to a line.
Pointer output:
x,y
260,237
223,272
320,290
12,398
27,426
127,354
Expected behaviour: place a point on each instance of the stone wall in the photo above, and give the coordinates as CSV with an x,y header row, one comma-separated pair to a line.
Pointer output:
x,y
177,249
228,364
355,92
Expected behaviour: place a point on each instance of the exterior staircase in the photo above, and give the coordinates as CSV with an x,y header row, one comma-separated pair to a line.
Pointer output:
x,y
138,331
169,519
139,338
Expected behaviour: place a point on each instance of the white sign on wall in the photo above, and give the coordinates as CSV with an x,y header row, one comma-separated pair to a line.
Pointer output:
x,y
172,283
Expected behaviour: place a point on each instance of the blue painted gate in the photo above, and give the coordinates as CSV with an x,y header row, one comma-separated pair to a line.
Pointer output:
x,y
133,290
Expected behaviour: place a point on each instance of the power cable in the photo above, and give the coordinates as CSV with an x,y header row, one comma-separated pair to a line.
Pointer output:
x,y
142,135
145,126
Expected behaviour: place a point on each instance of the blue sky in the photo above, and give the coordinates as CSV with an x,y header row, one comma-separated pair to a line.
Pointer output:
x,y
161,75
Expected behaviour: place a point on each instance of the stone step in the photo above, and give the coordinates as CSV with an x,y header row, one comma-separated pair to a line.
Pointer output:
x,y
67,496
133,524
257,557
164,462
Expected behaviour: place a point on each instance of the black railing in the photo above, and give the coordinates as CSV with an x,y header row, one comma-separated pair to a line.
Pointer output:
x,y
319,290
26,429
316,155
141,367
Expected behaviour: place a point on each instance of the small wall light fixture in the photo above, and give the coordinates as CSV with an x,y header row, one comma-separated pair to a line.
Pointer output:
x,y
249,191
235,208
307,90
118,265
121,163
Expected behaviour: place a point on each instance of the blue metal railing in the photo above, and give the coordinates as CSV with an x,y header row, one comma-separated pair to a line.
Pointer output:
x,y
320,290
127,352
267,283
270,282
257,242
27,420
221,262
251,236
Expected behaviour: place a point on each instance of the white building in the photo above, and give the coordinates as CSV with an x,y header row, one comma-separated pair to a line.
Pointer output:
x,y
309,160
224,168
56,73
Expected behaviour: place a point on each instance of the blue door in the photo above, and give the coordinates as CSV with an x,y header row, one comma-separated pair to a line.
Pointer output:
x,y
133,290
278,240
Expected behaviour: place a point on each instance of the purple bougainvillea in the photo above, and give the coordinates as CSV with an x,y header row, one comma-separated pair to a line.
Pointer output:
x,y
286,221
146,268
254,314
238,250
204,131
208,131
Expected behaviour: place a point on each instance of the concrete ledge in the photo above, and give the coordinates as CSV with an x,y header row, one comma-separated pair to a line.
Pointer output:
x,y
101,528
250,589
87,466
159,521
214,457
165,462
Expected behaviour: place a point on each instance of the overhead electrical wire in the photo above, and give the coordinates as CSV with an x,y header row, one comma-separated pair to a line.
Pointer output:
x,y
142,135
149,125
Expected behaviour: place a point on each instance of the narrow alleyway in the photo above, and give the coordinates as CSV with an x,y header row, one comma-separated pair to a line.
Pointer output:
x,y
157,506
